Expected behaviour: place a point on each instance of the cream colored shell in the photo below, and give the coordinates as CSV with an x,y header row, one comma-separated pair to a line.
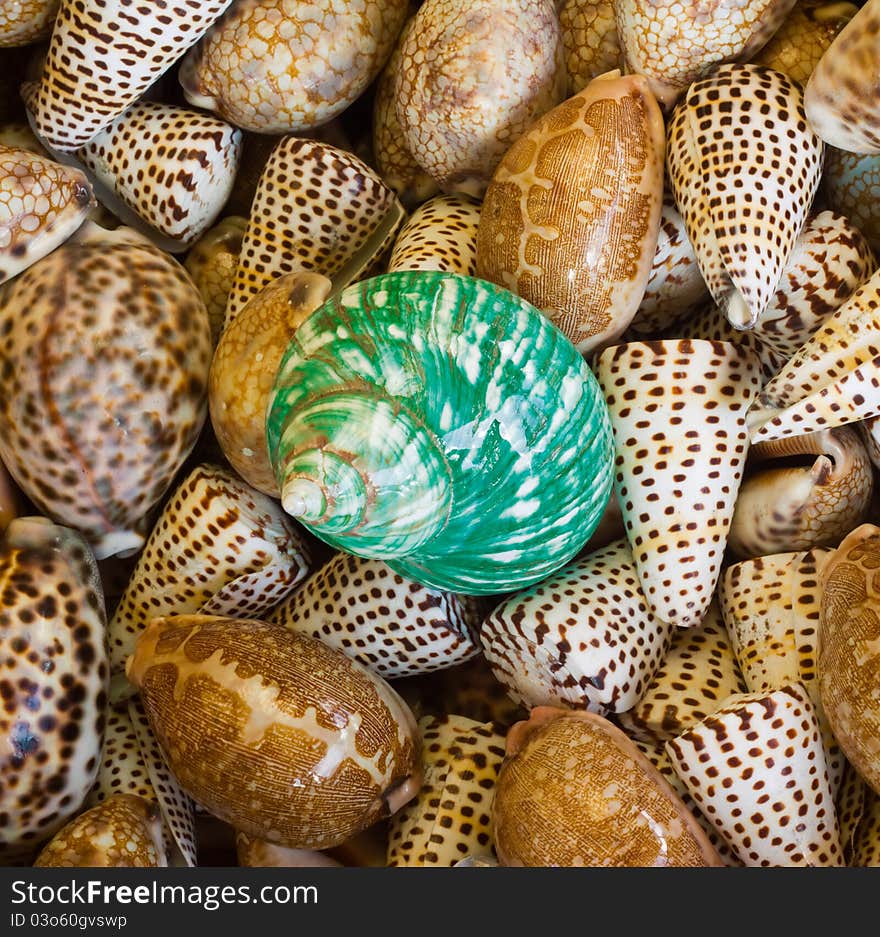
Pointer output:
x,y
440,235
589,36
26,21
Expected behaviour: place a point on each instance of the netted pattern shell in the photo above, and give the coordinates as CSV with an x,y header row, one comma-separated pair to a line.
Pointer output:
x,y
851,186
448,400
589,37
26,21
440,235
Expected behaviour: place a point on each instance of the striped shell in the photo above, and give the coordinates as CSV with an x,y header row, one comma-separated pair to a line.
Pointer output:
x,y
440,235
851,186
391,625
396,426
589,37
26,21
273,732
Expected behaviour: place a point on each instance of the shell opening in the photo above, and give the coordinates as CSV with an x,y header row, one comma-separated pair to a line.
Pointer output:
x,y
739,314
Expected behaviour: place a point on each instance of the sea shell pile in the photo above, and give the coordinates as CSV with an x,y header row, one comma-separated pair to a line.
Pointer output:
x,y
439,434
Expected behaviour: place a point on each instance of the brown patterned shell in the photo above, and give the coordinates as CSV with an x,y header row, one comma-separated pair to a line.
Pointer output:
x,y
274,66
866,848
472,78
97,65
851,186
41,204
571,218
450,818
584,638
256,853
26,21
123,832
274,732
589,37
575,791
440,235
53,678
853,803
756,768
174,167
849,656
392,626
104,360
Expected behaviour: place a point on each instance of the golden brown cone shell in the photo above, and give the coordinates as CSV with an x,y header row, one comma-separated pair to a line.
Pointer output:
x,y
571,218
273,732
575,791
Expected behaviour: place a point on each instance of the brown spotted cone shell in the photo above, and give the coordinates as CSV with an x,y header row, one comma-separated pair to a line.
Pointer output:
x,y
849,655
575,791
853,803
53,678
866,847
274,732
104,362
26,21
122,832
582,251
440,235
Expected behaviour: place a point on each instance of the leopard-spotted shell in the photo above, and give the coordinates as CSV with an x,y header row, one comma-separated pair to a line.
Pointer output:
x,y
590,40
853,803
26,21
440,235
866,847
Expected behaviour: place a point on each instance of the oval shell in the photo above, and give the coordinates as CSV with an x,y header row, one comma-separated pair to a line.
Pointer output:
x,y
851,186
589,36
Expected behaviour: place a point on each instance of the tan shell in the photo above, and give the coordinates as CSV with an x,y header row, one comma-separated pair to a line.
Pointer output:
x,y
26,21
440,235
866,848
589,36
124,831
849,656
853,804
851,186
472,78
244,366
273,732
258,854
575,791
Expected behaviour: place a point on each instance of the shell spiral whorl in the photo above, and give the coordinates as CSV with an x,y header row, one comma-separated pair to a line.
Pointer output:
x,y
413,406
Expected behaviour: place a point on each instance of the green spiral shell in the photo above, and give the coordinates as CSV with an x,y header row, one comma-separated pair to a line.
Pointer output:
x,y
442,424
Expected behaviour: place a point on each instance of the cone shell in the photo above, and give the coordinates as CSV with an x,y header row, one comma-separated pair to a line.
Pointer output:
x,y
756,767
440,235
853,803
596,650
103,393
849,642
589,37
743,186
582,251
275,67
574,791
173,167
678,413
841,95
343,212
450,818
244,366
851,186
698,673
26,21
391,625
53,680
97,65
469,433
866,849
472,78
273,732
41,204
219,547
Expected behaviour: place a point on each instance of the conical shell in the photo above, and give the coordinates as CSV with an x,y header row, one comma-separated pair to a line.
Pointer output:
x,y
26,21
582,252
98,64
451,816
850,185
440,235
853,803
597,649
866,849
756,768
678,412
744,200
589,37
412,406
842,93
174,167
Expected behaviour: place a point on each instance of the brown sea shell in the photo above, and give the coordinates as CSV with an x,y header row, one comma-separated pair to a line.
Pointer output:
x,y
440,235
26,21
589,36
258,854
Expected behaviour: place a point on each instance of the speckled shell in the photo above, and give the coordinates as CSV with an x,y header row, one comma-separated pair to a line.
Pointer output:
x,y
589,37
584,638
760,180
318,209
472,78
53,679
97,65
41,204
571,218
849,650
781,507
440,235
396,426
219,547
26,21
273,732
575,791
852,803
243,370
674,44
866,847
450,817
391,625
678,412
851,186
842,93
698,673
174,167
756,767
103,373
125,831
273,66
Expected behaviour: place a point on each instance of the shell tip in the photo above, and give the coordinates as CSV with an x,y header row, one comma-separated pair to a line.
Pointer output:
x,y
303,499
